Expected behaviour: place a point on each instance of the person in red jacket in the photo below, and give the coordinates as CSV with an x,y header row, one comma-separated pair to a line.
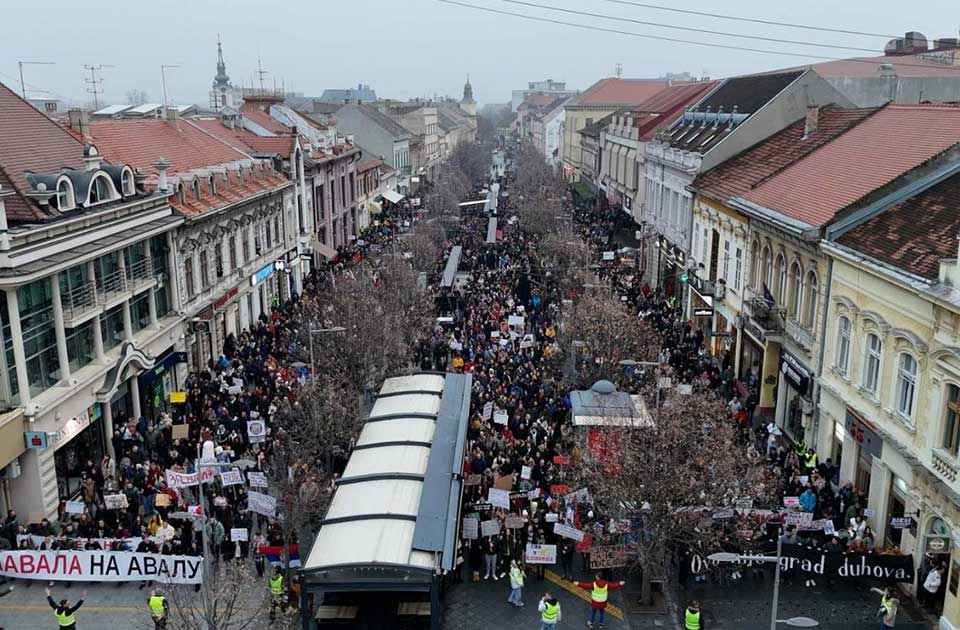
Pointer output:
x,y
599,589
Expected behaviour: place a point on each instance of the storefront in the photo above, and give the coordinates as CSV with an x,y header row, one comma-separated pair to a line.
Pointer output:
x,y
79,439
793,397
157,383
751,362
861,446
200,342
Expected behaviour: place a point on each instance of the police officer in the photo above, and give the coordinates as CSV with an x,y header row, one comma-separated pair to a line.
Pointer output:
x,y
159,609
692,619
64,612
276,593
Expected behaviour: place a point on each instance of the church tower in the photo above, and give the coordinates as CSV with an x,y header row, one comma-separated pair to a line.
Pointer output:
x,y
467,103
223,94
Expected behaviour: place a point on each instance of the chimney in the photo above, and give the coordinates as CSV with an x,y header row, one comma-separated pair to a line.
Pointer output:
x,y
950,269
887,70
172,116
4,235
162,165
80,122
812,122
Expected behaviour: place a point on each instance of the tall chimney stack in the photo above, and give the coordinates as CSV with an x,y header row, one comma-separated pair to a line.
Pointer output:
x,y
812,121
80,122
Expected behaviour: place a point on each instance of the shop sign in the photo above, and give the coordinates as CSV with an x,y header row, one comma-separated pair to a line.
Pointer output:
x,y
165,364
900,522
226,297
937,544
205,315
703,312
795,372
870,443
70,428
292,256
262,275
36,440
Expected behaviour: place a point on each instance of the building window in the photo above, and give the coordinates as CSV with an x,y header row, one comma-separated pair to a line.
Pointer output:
x,y
232,246
181,194
196,188
811,301
906,385
737,267
111,327
128,185
951,421
796,290
213,185
842,360
140,311
39,336
780,276
763,279
100,190
65,200
188,276
871,364
726,260
204,268
218,258
80,349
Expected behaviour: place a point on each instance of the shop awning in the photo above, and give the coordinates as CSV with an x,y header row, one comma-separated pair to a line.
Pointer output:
x,y
392,197
325,250
584,190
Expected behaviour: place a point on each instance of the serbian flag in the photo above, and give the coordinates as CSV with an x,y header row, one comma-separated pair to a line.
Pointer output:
x,y
274,555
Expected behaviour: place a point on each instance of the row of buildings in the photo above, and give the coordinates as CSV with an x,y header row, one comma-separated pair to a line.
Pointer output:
x,y
133,243
808,221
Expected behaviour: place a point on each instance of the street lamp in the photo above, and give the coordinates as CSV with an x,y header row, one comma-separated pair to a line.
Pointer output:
x,y
313,331
796,622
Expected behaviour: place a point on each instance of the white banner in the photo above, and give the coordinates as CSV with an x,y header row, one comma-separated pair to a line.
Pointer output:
x,y
540,554
257,479
239,534
74,507
231,477
499,498
568,532
115,501
262,504
256,431
182,480
101,566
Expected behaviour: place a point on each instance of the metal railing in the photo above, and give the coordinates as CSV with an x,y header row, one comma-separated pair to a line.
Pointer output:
x,y
79,300
142,270
112,285
766,316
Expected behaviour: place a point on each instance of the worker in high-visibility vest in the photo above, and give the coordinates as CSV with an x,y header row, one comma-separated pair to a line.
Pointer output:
x,y
64,612
599,590
159,609
692,619
276,593
549,608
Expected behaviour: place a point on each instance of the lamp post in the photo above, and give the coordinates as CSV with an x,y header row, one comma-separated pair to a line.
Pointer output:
x,y
796,622
313,331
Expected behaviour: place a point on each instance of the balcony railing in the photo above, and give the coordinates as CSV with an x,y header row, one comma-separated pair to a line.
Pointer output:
x,y
799,334
79,301
141,272
760,314
112,285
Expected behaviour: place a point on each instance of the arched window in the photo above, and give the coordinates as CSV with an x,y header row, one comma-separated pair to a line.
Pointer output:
x,y
100,190
906,385
240,176
129,187
196,188
841,360
65,197
795,294
811,301
871,364
181,194
951,420
212,182
763,278
780,279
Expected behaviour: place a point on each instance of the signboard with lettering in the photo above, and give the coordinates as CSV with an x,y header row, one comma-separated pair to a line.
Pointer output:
x,y
514,522
608,556
567,532
540,554
471,528
489,528
869,441
499,498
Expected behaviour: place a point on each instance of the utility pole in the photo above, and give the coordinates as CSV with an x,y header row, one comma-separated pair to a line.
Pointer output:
x,y
95,83
163,78
23,86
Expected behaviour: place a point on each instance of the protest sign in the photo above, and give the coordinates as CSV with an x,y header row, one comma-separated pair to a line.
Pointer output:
x,y
183,480
257,479
115,501
534,494
472,480
810,561
500,416
608,556
744,504
900,522
620,526
525,472
178,397
869,512
231,477
515,321
684,389
791,501
74,507
608,255
220,501
519,495
161,500
471,528
720,515
504,482
801,519
482,506
567,532
559,489
828,528
256,431
560,460
262,504
181,431
490,528
101,566
239,534
234,390
540,554
487,411
498,498
580,496
551,517
514,522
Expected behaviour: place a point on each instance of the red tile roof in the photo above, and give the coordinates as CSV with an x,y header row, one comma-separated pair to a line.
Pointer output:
x,y
262,118
884,146
29,141
915,234
244,140
536,101
619,92
666,105
186,147
744,171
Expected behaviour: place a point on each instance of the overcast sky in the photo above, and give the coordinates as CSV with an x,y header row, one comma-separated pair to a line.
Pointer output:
x,y
408,48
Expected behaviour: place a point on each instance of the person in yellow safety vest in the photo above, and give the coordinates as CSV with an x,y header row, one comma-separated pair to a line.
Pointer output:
x,y
158,609
64,612
692,619
599,589
549,608
276,593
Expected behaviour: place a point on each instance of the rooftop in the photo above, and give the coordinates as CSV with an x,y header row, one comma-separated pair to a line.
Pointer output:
x,y
746,170
884,146
915,234
613,92
663,107
388,124
903,65
259,113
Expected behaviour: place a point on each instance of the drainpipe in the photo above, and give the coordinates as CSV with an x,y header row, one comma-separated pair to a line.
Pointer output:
x,y
823,347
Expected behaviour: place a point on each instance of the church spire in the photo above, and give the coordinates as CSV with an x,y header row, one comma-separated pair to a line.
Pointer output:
x,y
221,80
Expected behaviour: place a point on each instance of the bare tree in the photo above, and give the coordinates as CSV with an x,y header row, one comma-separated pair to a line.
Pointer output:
x,y
225,601
566,258
672,475
539,192
136,97
424,244
470,159
603,331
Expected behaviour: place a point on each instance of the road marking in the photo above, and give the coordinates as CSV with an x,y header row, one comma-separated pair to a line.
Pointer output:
x,y
570,587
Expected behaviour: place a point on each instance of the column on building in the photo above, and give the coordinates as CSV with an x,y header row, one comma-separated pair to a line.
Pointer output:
x,y
97,332
172,267
58,328
16,337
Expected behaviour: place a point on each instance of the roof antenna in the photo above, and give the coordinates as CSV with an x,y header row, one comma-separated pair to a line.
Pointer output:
x,y
618,70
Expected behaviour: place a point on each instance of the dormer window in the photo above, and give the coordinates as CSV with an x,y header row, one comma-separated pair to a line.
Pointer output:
x,y
240,176
129,188
213,185
196,188
101,190
181,194
65,196
226,179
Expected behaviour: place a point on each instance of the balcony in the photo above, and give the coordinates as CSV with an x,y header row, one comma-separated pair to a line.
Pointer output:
x,y
944,466
141,273
800,335
761,318
78,303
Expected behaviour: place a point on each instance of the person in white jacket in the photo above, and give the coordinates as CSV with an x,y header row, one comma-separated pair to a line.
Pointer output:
x,y
516,584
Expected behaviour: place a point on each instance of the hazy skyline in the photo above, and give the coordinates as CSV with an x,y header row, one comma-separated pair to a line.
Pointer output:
x,y
413,47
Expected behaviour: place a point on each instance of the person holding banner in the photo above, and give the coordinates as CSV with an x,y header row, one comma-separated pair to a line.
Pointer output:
x,y
64,612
